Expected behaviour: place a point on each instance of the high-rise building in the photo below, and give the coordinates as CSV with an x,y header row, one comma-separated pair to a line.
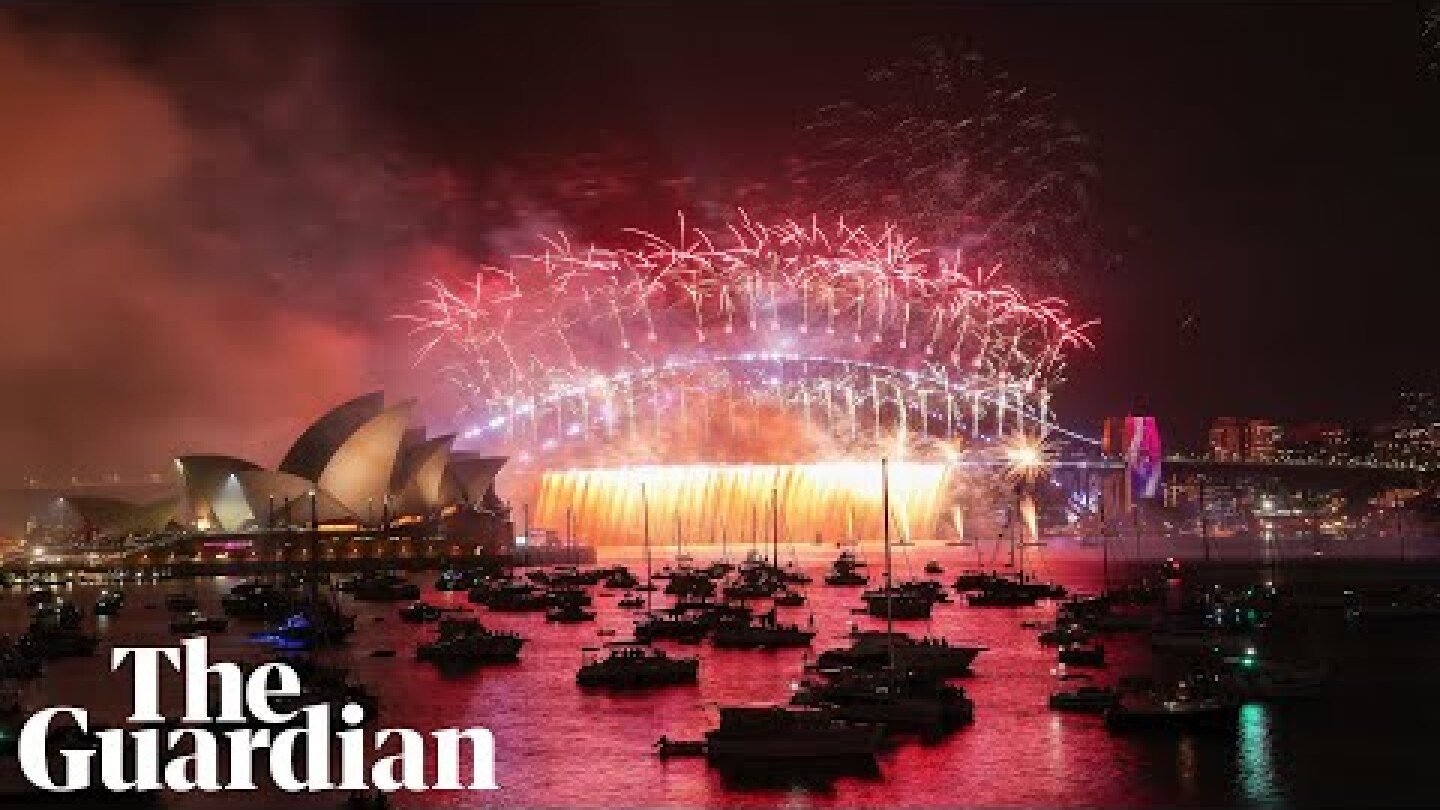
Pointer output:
x,y
1244,439
1227,439
1261,437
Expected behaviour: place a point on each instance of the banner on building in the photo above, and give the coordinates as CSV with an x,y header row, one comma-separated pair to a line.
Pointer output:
x,y
1142,456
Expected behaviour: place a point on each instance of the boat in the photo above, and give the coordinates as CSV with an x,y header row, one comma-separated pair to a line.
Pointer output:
x,y
895,603
764,633
515,598
621,579
636,665
567,597
901,702
1002,594
258,600
1170,569
670,626
1181,712
751,588
454,579
38,596
1254,679
420,613
59,612
47,641
382,587
466,641
569,614
109,603
974,580
315,625
690,584
933,568
788,599
1084,699
1080,655
777,734
630,601
1064,634
666,748
196,622
845,572
873,649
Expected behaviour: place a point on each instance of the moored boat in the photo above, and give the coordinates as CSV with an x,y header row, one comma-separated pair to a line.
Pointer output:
x,y
636,665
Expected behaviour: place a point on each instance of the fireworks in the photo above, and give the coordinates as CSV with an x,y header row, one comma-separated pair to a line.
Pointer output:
x,y
963,153
857,333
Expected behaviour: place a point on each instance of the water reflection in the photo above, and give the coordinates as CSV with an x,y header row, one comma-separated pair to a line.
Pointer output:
x,y
1185,764
1255,754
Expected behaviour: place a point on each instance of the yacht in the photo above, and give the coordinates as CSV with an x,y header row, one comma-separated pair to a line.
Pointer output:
x,y
636,665
454,579
764,633
901,702
318,624
773,734
567,596
898,604
1065,634
1080,655
1002,593
1084,699
684,628
420,613
620,579
466,641
1182,711
788,599
195,622
1252,678
845,571
109,603
387,587
872,649
257,600
690,584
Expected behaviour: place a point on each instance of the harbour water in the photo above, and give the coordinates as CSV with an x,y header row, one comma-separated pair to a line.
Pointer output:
x,y
1367,741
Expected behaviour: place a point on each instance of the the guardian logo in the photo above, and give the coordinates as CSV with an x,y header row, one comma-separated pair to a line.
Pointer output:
x,y
131,759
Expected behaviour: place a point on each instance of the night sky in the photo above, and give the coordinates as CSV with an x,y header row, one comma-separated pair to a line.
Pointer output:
x,y
211,215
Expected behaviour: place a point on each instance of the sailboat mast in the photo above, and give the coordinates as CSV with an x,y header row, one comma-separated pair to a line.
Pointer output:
x,y
889,581
775,527
649,578
754,525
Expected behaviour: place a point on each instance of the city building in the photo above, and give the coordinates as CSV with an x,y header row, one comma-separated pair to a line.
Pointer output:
x,y
1244,439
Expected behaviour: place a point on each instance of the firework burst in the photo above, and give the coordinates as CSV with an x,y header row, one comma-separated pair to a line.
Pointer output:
x,y
964,154
861,332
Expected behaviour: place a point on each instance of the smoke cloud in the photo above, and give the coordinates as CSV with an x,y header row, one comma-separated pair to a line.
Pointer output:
x,y
186,267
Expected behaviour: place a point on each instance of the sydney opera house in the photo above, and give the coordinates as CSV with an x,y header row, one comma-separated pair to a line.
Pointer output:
x,y
361,468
